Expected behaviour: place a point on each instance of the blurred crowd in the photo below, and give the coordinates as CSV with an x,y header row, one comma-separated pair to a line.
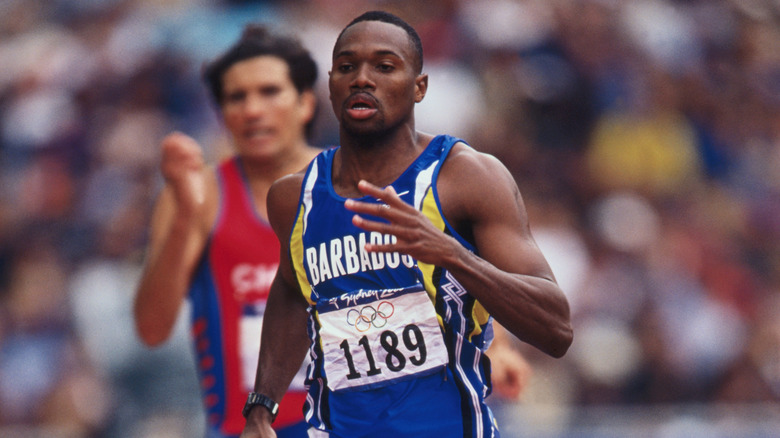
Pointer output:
x,y
644,136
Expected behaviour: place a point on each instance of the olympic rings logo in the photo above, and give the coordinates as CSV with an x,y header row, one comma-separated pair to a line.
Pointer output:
x,y
369,316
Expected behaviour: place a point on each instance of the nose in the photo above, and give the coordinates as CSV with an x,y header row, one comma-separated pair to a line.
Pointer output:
x,y
254,106
362,78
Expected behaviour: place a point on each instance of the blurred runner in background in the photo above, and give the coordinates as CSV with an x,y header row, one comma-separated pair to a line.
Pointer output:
x,y
210,240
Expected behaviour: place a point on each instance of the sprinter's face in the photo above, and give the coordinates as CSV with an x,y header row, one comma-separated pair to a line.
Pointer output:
x,y
374,82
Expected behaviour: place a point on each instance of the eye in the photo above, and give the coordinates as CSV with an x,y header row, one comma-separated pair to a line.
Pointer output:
x,y
385,67
345,68
270,91
234,97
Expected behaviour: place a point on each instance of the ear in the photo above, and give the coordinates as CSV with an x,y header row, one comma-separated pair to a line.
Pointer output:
x,y
420,87
308,105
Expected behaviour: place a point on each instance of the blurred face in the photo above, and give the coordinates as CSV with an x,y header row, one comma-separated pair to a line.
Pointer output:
x,y
262,109
373,84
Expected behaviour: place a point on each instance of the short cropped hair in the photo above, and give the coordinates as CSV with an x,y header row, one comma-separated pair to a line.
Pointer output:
x,y
257,40
387,17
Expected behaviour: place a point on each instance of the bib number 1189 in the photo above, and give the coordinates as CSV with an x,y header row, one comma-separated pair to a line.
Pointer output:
x,y
396,360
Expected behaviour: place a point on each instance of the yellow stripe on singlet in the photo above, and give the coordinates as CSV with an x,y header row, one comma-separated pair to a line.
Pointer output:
x,y
479,314
431,211
296,252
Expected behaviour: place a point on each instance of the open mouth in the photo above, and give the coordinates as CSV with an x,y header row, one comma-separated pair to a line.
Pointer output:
x,y
257,133
361,106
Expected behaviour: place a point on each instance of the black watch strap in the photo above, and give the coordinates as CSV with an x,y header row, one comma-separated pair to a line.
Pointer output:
x,y
255,399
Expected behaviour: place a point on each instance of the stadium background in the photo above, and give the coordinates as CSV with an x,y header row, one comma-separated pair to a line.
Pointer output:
x,y
644,135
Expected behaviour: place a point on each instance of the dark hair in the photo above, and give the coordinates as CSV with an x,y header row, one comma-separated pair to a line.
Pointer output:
x,y
387,17
257,40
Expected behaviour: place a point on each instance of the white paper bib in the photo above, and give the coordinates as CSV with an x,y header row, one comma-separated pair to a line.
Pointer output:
x,y
373,338
251,330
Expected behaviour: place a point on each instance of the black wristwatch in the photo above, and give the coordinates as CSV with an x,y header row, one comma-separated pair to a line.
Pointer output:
x,y
256,399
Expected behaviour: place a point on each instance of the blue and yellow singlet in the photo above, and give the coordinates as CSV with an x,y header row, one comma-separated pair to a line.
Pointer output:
x,y
397,346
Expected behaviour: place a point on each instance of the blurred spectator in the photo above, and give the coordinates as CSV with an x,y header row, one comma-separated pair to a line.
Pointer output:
x,y
154,390
46,380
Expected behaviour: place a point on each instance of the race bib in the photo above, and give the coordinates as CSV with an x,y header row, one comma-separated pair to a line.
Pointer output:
x,y
373,338
251,330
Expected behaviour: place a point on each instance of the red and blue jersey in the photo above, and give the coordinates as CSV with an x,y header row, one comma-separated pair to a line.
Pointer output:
x,y
228,294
